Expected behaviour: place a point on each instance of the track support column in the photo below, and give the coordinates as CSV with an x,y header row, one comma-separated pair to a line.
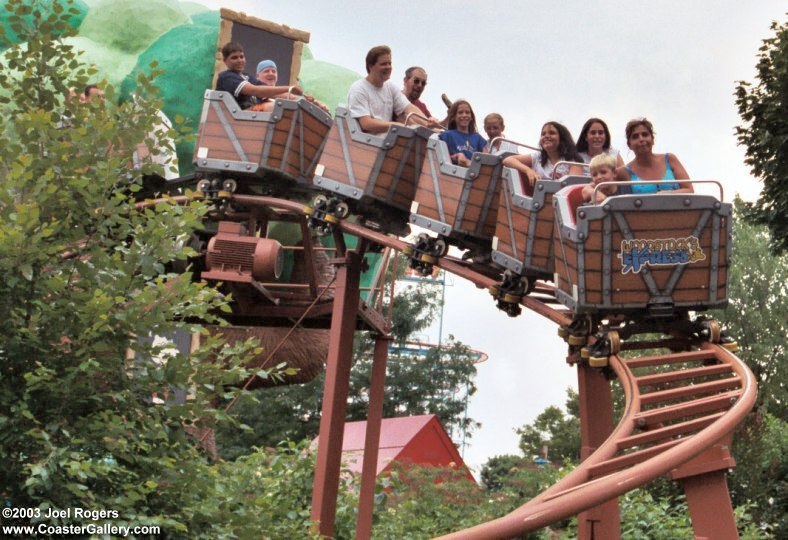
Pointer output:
x,y
366,499
596,424
335,392
704,483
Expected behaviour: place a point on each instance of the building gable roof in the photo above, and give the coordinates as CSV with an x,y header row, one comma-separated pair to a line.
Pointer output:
x,y
419,440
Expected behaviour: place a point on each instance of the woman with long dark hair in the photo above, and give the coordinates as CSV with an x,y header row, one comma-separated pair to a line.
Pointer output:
x,y
556,145
594,139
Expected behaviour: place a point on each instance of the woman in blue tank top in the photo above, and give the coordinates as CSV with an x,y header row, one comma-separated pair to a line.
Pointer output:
x,y
650,166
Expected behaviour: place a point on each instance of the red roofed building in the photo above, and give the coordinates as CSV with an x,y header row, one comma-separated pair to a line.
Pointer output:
x,y
418,440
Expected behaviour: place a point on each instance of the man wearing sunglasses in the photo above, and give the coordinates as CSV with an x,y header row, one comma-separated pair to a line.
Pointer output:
x,y
414,84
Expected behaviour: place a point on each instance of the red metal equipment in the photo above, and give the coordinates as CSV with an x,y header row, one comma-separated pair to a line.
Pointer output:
x,y
233,255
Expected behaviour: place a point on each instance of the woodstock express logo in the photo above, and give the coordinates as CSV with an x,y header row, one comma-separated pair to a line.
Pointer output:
x,y
637,254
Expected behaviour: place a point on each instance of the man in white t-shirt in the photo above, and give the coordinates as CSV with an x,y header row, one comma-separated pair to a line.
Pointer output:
x,y
374,100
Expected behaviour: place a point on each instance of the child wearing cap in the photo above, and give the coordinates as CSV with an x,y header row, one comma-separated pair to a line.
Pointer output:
x,y
268,74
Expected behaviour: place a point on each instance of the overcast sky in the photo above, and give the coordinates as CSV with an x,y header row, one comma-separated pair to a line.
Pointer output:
x,y
675,62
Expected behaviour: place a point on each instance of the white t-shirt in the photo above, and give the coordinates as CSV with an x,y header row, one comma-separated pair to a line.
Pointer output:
x,y
548,170
366,99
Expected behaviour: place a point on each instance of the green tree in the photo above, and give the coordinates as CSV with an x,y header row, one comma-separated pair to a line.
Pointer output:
x,y
763,108
425,502
757,317
275,415
760,478
414,308
559,431
517,475
757,311
437,383
85,279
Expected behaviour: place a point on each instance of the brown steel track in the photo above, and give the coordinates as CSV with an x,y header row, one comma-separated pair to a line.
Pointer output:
x,y
677,406
669,418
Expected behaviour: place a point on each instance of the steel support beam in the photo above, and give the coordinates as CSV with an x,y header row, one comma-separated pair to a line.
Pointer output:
x,y
708,499
710,506
596,425
335,393
372,437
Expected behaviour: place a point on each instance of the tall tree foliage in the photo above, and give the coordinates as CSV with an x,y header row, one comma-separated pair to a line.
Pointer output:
x,y
559,431
517,475
757,311
757,317
85,277
763,108
437,383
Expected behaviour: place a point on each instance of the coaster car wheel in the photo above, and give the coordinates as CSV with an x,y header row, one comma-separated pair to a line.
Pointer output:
x,y
528,284
614,341
510,308
426,270
598,361
511,298
440,247
321,228
574,339
204,186
342,210
712,331
320,201
229,185
577,331
422,239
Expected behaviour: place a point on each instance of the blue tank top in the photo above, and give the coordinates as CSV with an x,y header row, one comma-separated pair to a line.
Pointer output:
x,y
653,188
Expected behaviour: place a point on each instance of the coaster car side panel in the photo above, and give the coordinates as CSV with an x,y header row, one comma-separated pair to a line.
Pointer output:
x,y
375,170
286,141
524,230
460,203
662,252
